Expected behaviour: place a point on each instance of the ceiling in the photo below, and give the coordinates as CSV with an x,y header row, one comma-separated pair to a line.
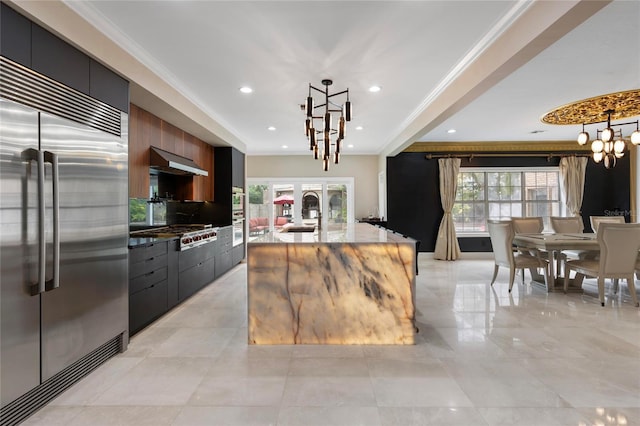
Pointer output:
x,y
489,69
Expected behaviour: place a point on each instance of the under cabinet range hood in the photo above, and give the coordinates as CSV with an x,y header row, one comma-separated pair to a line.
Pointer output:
x,y
168,162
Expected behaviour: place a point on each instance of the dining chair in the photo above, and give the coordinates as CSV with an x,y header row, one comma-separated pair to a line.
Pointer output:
x,y
502,233
570,225
619,244
597,220
529,225
567,225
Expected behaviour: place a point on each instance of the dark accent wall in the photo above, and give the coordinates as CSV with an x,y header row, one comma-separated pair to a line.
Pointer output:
x,y
413,194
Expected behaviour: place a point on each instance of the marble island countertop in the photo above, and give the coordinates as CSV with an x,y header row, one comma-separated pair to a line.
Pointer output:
x,y
348,284
339,233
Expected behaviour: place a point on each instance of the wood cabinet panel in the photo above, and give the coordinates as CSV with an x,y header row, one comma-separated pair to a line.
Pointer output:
x,y
145,130
171,139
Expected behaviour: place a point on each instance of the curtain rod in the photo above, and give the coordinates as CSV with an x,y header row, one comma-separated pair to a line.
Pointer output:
x,y
549,156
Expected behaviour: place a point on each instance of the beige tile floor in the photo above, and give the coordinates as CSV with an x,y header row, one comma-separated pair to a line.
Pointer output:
x,y
484,357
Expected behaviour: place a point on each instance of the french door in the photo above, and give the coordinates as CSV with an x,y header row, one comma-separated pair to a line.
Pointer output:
x,y
275,202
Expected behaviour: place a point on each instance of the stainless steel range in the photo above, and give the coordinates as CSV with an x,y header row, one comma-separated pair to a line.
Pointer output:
x,y
190,235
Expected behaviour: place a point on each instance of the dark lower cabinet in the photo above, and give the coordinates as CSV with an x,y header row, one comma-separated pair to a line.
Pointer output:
x,y
147,305
224,261
196,269
196,277
237,254
161,276
148,273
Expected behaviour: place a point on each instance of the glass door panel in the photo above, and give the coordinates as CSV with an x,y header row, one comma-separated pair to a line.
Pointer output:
x,y
337,206
258,210
283,202
311,203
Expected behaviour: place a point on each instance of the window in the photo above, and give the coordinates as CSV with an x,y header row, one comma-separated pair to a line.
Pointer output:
x,y
504,193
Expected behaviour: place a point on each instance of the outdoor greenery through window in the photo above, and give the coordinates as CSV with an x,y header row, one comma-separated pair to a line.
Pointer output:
x,y
505,193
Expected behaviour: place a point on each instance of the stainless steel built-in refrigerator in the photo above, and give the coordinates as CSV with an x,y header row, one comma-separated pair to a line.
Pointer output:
x,y
63,236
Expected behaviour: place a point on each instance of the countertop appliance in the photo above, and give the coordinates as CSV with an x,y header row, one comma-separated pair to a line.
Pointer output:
x,y
191,236
63,245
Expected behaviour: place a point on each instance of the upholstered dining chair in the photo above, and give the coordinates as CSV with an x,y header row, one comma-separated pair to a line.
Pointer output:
x,y
567,225
570,225
619,244
502,233
528,225
597,220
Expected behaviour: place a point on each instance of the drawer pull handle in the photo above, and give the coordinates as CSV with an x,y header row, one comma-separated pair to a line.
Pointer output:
x,y
150,259
150,273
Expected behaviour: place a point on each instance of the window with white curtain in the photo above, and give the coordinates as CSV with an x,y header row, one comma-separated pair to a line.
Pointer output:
x,y
502,193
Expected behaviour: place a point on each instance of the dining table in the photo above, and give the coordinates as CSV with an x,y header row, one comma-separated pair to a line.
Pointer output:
x,y
554,244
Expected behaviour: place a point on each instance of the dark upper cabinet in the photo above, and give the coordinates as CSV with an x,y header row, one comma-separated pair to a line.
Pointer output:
x,y
108,86
237,172
62,62
15,36
30,45
229,172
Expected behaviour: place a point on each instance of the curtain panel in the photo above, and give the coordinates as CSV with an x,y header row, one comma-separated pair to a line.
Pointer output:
x,y
447,247
572,172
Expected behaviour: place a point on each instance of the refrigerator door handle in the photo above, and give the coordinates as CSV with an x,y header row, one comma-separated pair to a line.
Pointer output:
x,y
32,154
52,158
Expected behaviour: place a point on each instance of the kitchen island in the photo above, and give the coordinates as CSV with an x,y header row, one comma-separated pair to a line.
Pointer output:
x,y
349,284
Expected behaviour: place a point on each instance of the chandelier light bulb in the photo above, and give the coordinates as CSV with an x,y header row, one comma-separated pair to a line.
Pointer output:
x,y
635,137
583,138
619,154
608,147
607,135
597,146
609,161
597,156
618,146
312,138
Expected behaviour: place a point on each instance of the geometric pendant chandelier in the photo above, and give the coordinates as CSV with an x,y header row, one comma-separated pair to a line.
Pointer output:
x,y
320,138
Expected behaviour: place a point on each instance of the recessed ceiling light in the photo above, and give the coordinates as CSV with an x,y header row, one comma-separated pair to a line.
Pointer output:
x,y
374,89
451,131
285,146
271,128
350,145
359,128
246,89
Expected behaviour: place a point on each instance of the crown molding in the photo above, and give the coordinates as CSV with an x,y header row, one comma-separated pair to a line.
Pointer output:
x,y
497,147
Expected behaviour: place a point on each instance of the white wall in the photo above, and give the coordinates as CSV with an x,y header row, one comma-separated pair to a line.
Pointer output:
x,y
363,168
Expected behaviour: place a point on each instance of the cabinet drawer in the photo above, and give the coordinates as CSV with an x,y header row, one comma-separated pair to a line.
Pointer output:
x,y
192,257
196,277
147,265
143,253
225,234
223,263
147,279
147,305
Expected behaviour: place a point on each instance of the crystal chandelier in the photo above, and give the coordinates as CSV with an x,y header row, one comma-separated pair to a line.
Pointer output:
x,y
320,138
